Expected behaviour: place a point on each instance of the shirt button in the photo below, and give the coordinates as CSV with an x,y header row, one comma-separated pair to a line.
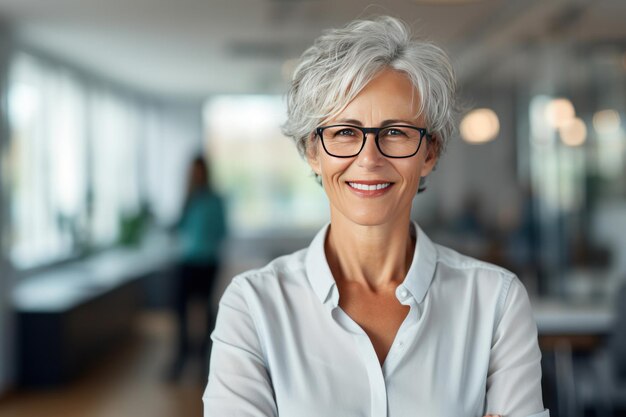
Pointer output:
x,y
403,293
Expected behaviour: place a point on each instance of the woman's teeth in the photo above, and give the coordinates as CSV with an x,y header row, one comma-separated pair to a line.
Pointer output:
x,y
366,187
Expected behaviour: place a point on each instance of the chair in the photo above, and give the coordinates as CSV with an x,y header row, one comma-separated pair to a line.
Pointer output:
x,y
597,381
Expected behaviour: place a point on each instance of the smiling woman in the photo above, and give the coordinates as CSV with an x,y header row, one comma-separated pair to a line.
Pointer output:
x,y
373,318
391,163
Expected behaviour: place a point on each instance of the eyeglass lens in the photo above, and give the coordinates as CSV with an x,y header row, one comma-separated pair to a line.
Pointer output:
x,y
394,141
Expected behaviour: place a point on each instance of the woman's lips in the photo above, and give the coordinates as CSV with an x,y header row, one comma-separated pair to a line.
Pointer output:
x,y
369,188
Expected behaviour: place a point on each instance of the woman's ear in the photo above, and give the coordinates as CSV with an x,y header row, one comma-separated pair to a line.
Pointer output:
x,y
312,155
432,156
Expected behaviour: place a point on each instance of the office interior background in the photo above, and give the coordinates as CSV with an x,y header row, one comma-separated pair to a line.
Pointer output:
x,y
104,104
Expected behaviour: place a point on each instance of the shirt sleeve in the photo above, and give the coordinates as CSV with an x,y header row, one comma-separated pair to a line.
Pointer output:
x,y
514,375
239,383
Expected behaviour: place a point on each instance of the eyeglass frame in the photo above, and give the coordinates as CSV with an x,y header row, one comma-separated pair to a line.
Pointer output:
x,y
376,131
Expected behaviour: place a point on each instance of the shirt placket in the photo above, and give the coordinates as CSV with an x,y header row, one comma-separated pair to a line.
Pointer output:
x,y
405,332
378,375
378,388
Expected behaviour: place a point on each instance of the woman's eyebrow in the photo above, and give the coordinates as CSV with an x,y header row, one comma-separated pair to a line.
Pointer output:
x,y
383,123
396,121
350,122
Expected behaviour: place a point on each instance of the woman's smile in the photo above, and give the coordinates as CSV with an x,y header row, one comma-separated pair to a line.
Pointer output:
x,y
369,188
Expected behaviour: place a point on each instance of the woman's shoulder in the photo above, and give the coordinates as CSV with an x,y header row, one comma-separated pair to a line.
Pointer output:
x,y
465,276
453,259
276,290
474,272
279,272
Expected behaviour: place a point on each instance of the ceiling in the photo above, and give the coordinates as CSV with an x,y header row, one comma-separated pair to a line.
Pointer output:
x,y
192,48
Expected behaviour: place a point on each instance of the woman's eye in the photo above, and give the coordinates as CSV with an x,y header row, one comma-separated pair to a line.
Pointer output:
x,y
345,132
395,132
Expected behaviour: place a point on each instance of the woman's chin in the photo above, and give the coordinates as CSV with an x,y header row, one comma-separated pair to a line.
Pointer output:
x,y
369,219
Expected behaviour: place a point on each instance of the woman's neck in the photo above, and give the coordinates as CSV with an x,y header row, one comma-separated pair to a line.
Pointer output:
x,y
374,256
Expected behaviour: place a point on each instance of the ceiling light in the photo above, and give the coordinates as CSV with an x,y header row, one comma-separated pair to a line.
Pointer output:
x,y
573,132
606,121
480,126
559,111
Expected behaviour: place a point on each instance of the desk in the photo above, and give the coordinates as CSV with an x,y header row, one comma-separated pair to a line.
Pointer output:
x,y
569,330
68,316
583,325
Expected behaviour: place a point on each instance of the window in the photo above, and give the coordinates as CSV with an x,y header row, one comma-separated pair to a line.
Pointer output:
x,y
268,185
47,157
74,162
115,133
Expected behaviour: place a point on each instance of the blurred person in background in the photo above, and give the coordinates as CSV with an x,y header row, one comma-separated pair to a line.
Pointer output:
x,y
201,230
373,318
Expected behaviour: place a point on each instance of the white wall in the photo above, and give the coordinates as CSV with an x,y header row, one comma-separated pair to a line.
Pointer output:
x,y
488,170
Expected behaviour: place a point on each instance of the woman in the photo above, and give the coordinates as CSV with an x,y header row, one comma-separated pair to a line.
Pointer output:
x,y
373,319
201,229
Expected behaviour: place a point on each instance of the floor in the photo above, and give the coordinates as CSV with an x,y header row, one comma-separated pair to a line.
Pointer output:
x,y
129,382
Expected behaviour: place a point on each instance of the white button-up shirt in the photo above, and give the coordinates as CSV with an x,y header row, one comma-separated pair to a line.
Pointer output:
x,y
283,346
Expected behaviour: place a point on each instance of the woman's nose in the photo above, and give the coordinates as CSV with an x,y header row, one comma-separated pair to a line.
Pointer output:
x,y
370,156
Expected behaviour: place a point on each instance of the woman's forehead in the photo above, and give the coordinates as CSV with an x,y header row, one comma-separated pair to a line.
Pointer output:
x,y
390,95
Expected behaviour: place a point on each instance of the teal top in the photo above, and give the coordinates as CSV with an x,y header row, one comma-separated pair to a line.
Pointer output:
x,y
202,228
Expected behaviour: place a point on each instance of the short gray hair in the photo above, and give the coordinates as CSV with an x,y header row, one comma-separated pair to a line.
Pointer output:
x,y
341,62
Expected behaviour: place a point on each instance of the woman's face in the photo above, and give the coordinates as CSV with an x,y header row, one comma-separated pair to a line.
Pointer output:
x,y
198,175
389,98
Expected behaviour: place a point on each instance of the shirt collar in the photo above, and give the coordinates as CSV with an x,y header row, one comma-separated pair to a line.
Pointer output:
x,y
422,269
318,271
417,280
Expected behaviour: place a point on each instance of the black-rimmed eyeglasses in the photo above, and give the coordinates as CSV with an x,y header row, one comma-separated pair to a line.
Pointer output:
x,y
347,141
